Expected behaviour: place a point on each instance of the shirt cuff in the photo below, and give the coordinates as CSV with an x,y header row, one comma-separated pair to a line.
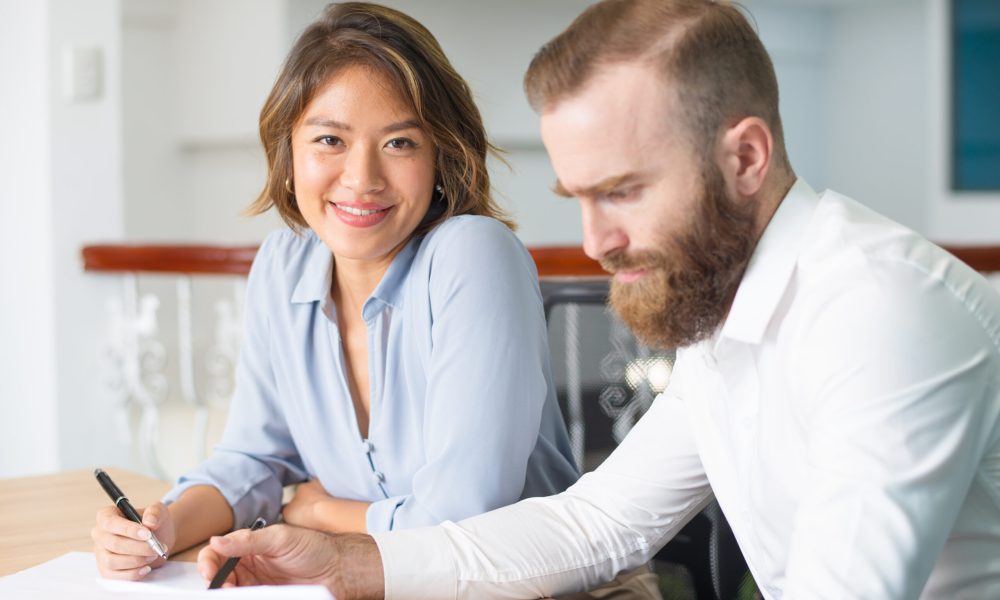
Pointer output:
x,y
381,514
417,563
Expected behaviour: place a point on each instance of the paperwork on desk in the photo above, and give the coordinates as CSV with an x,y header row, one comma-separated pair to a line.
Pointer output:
x,y
74,575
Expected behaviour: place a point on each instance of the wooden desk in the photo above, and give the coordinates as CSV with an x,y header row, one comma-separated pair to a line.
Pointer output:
x,y
46,516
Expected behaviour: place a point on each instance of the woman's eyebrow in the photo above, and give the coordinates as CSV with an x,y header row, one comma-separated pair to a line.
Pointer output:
x,y
334,124
324,122
401,125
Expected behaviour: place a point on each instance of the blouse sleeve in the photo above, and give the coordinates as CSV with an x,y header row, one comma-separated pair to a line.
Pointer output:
x,y
257,456
488,379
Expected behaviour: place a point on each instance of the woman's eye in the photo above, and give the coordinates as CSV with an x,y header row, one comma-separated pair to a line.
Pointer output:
x,y
400,144
329,140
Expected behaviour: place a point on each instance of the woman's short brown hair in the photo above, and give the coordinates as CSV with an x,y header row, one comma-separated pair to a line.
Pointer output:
x,y
397,46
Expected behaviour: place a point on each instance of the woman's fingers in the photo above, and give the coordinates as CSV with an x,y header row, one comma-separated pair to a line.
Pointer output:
x,y
118,544
110,520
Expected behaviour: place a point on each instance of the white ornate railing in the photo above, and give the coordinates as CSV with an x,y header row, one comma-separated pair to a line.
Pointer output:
x,y
144,370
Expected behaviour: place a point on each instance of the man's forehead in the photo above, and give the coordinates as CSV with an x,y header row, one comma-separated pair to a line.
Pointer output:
x,y
611,128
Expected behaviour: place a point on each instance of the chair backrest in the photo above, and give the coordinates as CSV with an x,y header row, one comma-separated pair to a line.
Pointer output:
x,y
606,380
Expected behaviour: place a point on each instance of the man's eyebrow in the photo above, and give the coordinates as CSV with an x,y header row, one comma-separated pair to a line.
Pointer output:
x,y
601,187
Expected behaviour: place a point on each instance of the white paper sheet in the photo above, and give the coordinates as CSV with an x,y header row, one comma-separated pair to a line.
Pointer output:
x,y
74,575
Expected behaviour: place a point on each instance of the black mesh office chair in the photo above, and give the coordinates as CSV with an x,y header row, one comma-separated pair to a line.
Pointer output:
x,y
605,381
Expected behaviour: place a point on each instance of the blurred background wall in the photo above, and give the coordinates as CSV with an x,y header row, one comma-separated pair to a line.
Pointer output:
x,y
163,147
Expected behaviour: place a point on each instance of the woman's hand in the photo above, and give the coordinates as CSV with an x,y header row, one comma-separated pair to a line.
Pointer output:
x,y
312,507
308,505
348,565
121,547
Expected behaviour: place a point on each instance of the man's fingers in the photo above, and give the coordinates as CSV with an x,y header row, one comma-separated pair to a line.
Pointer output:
x,y
244,575
267,542
209,562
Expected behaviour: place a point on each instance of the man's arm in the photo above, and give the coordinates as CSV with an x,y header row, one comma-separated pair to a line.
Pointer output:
x,y
613,519
895,378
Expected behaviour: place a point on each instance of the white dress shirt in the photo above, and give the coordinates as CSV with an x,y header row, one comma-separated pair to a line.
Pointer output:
x,y
846,416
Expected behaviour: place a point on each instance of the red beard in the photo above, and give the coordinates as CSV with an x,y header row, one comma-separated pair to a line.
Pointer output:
x,y
691,280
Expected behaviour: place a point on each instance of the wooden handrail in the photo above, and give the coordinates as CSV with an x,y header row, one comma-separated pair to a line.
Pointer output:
x,y
169,258
555,261
552,261
985,259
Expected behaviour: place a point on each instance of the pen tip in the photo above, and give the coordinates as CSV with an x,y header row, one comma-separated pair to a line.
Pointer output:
x,y
98,471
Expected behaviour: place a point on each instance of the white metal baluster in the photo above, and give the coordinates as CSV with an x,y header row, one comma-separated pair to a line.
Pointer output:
x,y
640,401
185,362
139,357
574,396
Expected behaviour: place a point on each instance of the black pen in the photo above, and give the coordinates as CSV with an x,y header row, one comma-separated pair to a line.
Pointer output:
x,y
126,508
230,564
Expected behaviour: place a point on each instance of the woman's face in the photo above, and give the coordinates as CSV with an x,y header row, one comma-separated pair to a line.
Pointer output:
x,y
364,169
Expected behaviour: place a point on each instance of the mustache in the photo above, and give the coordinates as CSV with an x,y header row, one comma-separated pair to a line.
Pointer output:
x,y
623,261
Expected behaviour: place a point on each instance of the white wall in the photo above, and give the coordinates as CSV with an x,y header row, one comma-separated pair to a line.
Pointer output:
x,y
863,101
878,111
196,78
61,165
798,39
888,120
28,414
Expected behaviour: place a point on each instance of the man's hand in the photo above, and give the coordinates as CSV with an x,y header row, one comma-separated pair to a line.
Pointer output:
x,y
349,565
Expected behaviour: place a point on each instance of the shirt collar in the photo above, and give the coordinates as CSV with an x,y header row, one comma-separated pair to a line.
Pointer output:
x,y
317,277
770,268
317,274
389,290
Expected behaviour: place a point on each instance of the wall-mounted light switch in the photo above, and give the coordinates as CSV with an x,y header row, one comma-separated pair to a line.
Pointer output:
x,y
83,73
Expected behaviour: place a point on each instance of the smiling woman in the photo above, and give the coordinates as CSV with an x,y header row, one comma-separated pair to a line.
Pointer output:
x,y
359,375
364,170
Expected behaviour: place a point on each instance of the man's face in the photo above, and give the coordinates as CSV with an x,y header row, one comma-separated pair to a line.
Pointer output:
x,y
654,214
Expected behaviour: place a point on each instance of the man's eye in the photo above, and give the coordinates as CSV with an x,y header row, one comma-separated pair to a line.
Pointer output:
x,y
401,144
620,194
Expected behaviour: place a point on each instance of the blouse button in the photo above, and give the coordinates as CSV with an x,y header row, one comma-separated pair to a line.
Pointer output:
x,y
366,446
380,476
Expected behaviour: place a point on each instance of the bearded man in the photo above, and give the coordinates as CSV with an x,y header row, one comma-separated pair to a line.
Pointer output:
x,y
837,387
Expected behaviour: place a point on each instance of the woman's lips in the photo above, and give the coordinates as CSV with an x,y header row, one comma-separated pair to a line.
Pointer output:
x,y
359,215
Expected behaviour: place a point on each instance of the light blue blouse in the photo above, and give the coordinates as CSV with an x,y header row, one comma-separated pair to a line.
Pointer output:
x,y
464,417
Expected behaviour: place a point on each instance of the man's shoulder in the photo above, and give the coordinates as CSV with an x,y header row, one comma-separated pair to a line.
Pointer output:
x,y
849,243
857,258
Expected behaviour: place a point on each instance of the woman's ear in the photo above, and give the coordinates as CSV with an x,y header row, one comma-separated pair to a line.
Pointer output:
x,y
744,155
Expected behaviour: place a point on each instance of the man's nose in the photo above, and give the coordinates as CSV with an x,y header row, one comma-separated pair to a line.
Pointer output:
x,y
601,235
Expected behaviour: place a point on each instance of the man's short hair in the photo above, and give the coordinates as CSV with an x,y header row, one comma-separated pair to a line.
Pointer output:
x,y
708,50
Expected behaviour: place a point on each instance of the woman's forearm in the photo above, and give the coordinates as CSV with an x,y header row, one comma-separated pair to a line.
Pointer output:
x,y
200,512
337,515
